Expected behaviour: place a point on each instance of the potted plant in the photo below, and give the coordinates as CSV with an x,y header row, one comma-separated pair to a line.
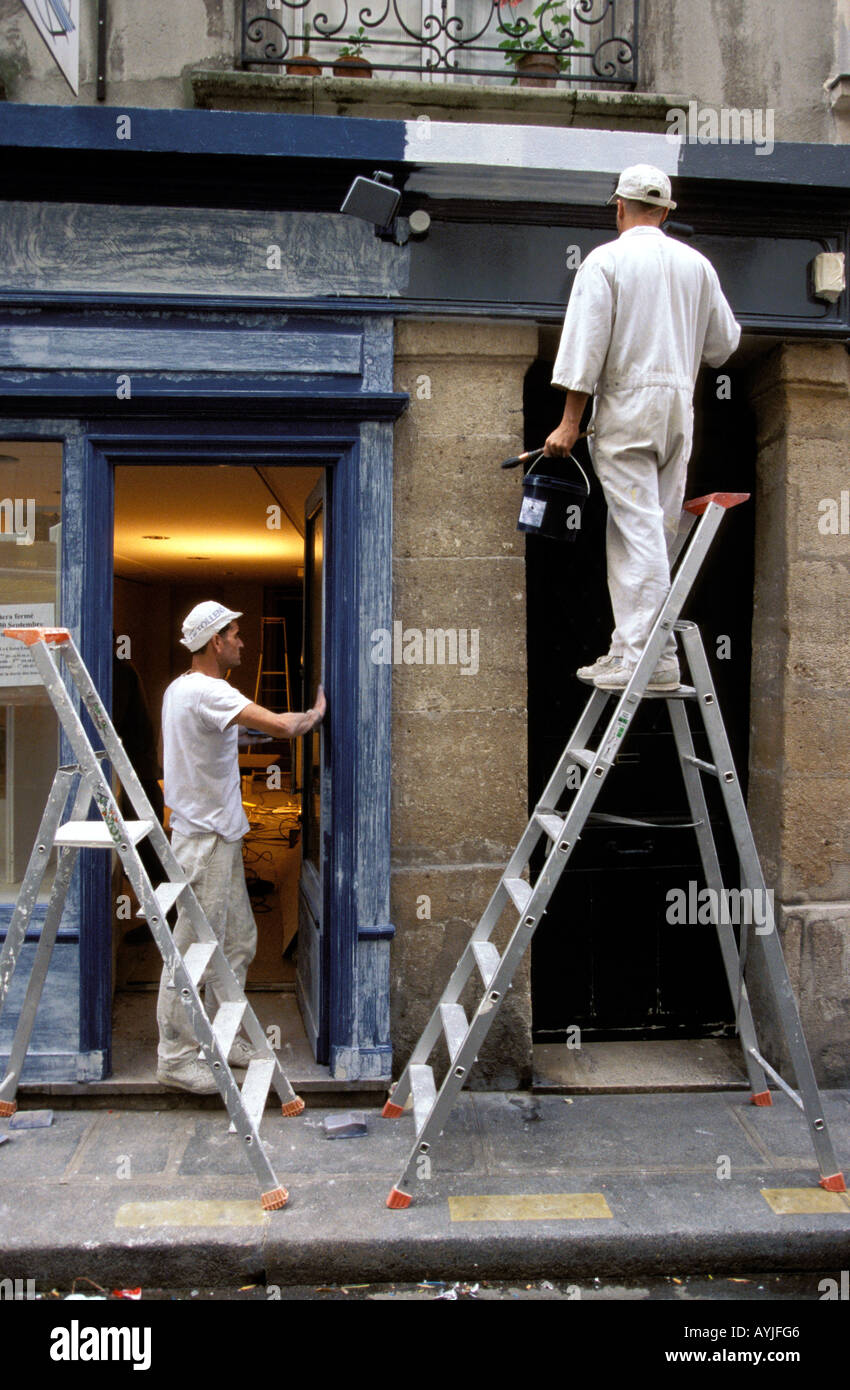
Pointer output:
x,y
303,64
350,62
539,52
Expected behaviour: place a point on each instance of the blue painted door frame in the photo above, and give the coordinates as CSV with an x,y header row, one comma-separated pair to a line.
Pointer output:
x,y
358,453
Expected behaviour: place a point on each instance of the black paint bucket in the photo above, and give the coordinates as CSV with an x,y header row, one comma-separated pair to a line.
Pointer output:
x,y
552,506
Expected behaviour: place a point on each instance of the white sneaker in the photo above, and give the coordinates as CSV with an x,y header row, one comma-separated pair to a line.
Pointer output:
x,y
189,1075
599,667
241,1053
664,677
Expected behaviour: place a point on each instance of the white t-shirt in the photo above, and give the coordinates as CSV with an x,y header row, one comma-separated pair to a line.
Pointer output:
x,y
200,756
644,311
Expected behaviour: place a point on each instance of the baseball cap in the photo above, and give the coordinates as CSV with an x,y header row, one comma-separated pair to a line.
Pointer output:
x,y
204,621
645,184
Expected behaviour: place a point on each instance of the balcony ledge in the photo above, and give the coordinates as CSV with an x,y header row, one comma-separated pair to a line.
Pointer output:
x,y
229,90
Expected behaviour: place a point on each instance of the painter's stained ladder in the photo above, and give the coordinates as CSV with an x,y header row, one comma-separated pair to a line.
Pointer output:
x,y
526,902
204,957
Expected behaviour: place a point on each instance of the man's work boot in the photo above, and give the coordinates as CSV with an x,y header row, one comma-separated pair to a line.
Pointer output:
x,y
599,667
664,678
190,1074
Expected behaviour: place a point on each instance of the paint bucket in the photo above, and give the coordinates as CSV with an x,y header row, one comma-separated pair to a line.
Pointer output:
x,y
551,506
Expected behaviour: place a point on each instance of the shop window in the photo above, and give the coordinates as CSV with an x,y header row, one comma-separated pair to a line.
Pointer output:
x,y
30,548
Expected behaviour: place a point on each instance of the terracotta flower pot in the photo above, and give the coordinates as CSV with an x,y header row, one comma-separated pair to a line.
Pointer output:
x,y
305,66
351,66
537,69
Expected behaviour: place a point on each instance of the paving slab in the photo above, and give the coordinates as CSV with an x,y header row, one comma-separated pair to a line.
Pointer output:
x,y
521,1185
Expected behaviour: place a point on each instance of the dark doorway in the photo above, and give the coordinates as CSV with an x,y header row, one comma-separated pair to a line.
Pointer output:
x,y
604,958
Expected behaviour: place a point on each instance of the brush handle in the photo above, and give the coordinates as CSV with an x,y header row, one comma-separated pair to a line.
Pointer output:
x,y
535,454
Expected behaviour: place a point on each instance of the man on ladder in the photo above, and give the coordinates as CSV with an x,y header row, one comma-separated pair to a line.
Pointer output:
x,y
201,784
643,314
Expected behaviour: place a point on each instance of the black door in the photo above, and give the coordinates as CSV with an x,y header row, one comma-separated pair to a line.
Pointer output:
x,y
605,957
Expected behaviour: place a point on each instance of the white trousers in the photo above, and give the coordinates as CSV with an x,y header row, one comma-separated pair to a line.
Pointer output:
x,y
640,450
214,868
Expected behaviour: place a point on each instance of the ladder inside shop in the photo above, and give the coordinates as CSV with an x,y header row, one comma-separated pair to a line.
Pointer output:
x,y
79,784
489,972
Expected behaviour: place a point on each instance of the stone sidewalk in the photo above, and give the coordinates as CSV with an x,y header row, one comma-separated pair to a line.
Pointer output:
x,y
521,1185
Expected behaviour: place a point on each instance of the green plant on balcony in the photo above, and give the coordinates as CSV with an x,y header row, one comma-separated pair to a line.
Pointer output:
x,y
350,62
538,52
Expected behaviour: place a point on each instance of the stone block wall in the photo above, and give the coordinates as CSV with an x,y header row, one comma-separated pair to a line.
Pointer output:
x,y
800,752
459,735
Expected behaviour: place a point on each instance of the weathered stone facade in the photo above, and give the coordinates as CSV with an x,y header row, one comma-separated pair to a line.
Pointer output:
x,y
800,752
459,740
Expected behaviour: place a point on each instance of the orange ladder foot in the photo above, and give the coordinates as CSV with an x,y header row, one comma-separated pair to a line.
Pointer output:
x,y
273,1201
292,1107
835,1183
392,1112
8,1107
397,1200
763,1098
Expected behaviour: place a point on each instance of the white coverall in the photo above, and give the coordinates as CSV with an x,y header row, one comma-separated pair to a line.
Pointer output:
x,y
201,786
644,312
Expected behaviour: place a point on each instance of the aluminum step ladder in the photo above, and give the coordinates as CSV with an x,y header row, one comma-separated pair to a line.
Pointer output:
x,y
526,902
204,957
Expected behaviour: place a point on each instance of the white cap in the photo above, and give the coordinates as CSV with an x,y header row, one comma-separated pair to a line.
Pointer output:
x,y
645,184
204,621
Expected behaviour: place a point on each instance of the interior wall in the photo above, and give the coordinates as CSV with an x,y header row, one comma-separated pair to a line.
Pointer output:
x,y
151,615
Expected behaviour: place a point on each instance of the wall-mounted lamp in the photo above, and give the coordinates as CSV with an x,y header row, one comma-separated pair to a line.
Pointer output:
x,y
376,200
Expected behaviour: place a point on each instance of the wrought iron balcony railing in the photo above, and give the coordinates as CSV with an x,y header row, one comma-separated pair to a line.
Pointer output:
x,y
580,43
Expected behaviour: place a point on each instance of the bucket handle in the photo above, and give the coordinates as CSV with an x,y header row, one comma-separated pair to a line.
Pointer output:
x,y
536,455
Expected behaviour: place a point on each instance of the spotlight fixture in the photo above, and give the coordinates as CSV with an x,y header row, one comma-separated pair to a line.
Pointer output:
x,y
376,200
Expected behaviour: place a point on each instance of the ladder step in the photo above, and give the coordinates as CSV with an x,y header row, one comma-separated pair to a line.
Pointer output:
x,y
553,825
698,762
487,959
166,896
226,1023
94,834
424,1093
255,1087
198,957
455,1027
519,890
585,757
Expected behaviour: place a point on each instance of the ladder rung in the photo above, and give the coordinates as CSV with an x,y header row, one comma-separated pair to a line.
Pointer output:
x,y
455,1027
487,959
645,822
698,762
197,958
553,825
255,1087
519,890
226,1024
94,834
584,756
424,1094
166,896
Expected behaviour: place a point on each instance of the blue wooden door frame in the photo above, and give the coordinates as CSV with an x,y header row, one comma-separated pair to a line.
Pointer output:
x,y
358,453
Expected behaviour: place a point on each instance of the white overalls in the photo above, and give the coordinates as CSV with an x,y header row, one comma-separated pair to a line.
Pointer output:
x,y
644,312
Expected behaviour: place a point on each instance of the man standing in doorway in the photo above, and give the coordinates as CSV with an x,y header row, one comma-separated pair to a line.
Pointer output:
x,y
644,312
200,715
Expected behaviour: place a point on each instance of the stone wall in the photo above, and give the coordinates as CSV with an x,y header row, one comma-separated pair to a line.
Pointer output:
x,y
746,55
800,750
459,740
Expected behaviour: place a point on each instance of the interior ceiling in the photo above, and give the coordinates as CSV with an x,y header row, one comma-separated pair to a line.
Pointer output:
x,y
181,524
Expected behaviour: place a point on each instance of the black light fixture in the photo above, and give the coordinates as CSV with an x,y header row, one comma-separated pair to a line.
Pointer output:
x,y
376,200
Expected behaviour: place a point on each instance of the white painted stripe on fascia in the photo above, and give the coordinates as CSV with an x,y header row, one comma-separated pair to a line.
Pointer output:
x,y
601,152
